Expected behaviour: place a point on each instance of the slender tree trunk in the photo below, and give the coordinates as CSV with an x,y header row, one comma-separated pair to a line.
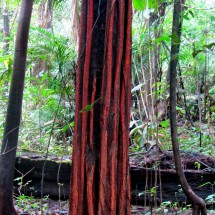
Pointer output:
x,y
100,182
10,138
197,202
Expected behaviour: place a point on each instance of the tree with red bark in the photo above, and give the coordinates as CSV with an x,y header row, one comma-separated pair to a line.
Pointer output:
x,y
100,181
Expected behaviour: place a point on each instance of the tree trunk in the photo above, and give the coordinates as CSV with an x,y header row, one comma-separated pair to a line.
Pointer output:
x,y
45,17
100,182
197,202
11,130
75,22
45,14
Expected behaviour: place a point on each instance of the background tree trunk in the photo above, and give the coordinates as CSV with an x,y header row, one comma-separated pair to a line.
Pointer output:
x,y
10,138
197,202
45,17
100,182
75,22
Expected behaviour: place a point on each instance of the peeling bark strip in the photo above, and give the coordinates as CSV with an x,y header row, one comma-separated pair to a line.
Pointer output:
x,y
100,182
11,130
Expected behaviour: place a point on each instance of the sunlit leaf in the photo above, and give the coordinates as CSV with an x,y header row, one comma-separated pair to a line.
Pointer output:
x,y
198,165
153,190
165,123
164,38
72,124
139,4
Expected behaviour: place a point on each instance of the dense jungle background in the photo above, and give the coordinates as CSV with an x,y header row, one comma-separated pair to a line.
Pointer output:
x,y
47,124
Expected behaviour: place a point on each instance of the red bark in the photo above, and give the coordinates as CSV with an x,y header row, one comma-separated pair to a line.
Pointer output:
x,y
100,182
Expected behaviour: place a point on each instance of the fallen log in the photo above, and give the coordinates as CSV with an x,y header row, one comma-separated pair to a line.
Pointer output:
x,y
153,178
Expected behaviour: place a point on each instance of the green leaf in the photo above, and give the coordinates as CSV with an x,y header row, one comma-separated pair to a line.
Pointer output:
x,y
165,123
65,128
191,13
89,107
175,39
196,52
186,17
139,4
164,38
153,191
72,123
198,165
209,46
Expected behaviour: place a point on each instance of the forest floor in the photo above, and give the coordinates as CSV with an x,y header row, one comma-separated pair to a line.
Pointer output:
x,y
28,205
31,206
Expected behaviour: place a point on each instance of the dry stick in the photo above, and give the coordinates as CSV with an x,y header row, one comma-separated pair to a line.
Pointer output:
x,y
160,184
59,184
144,103
141,95
197,202
204,83
146,186
155,186
151,80
200,110
23,175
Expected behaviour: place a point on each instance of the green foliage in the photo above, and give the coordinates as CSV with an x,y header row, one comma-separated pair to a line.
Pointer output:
x,y
144,4
48,103
28,203
139,4
196,63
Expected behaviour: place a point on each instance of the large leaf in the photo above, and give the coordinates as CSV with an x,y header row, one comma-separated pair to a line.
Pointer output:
x,y
163,38
139,4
